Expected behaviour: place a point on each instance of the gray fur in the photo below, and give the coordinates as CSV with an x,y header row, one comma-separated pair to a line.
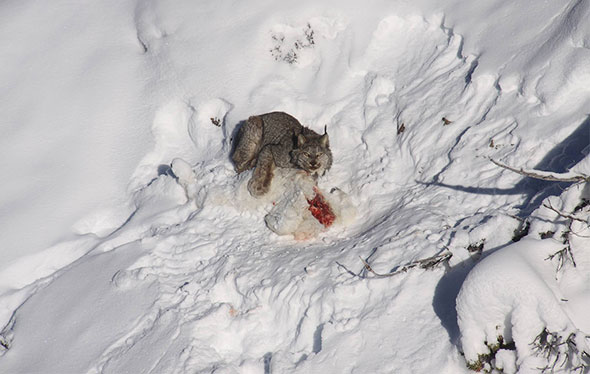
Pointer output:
x,y
277,139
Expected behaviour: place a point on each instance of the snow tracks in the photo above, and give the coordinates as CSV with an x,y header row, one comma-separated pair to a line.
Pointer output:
x,y
233,297
211,289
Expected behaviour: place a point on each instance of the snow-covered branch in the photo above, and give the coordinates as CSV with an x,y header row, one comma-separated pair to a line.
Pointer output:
x,y
562,214
546,175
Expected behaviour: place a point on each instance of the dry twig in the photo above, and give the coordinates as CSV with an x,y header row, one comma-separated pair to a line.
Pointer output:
x,y
401,128
562,214
425,263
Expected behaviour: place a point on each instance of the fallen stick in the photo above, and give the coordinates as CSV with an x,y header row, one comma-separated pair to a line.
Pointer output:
x,y
543,175
425,263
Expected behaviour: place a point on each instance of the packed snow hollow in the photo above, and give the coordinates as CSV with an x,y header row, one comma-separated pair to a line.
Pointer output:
x,y
130,244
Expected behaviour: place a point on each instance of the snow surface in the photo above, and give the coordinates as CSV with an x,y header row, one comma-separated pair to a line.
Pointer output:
x,y
129,243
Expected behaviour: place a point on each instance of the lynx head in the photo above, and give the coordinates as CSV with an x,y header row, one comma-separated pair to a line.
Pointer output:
x,y
312,153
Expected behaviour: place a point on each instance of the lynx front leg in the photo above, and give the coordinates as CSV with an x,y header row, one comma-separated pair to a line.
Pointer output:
x,y
249,143
263,174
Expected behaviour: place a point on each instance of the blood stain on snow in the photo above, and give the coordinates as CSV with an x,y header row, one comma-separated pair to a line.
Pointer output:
x,y
321,210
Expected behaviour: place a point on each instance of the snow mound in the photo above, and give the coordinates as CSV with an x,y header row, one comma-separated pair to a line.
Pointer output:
x,y
525,306
511,297
204,126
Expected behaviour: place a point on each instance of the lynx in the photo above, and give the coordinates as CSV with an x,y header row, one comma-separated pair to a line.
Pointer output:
x,y
277,139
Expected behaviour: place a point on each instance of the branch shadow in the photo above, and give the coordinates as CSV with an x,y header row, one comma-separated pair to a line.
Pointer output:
x,y
560,159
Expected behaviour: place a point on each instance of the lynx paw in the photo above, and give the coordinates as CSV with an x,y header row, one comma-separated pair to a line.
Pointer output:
x,y
241,167
257,188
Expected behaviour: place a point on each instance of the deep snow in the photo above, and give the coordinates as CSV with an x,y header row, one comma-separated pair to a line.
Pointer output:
x,y
130,244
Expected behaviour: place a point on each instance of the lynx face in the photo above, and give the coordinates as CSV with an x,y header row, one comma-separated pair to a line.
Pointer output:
x,y
312,154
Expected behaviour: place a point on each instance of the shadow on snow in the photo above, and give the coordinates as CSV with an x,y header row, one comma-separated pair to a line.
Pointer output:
x,y
559,159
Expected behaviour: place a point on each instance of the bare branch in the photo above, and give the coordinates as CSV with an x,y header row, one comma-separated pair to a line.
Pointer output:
x,y
562,214
556,349
564,255
547,176
425,263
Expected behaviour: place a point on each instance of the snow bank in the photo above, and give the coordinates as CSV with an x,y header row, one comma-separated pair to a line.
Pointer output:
x,y
525,306
73,121
511,297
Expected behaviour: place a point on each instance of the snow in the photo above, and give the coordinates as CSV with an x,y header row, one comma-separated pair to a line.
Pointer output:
x,y
516,293
129,242
512,294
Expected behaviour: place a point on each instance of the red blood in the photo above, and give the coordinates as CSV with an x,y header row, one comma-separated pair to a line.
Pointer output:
x,y
321,210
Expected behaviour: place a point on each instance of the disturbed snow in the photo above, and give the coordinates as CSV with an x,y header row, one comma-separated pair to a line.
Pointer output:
x,y
132,245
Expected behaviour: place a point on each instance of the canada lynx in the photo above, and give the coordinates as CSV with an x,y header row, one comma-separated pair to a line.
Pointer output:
x,y
278,139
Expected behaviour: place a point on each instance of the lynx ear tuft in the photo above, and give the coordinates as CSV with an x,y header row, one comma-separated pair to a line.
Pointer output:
x,y
325,141
301,140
